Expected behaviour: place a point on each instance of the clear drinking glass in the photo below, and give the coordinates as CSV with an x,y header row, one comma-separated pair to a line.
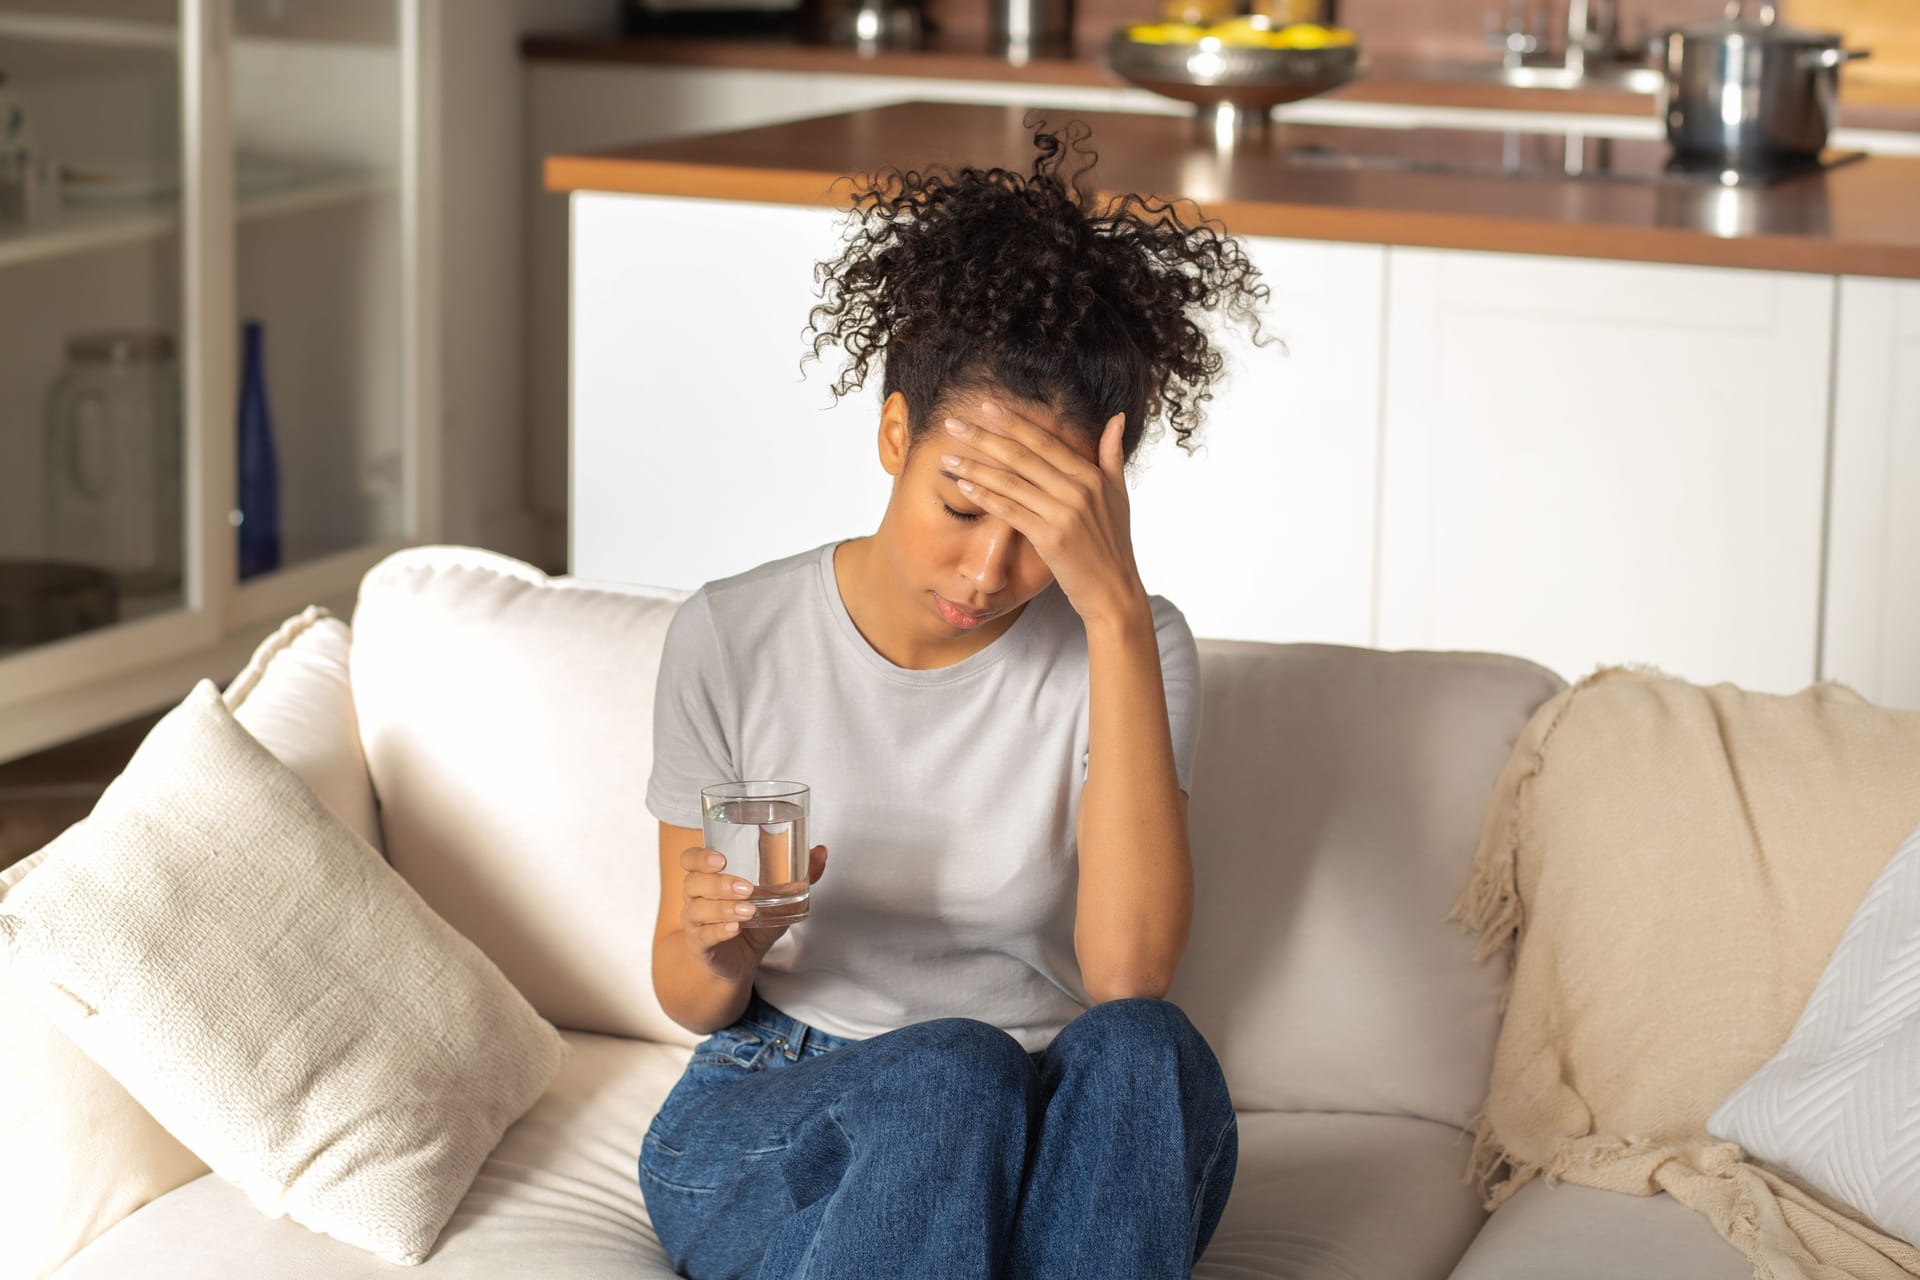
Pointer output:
x,y
760,828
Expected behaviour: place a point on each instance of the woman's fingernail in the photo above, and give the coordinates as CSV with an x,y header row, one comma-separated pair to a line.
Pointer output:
x,y
742,888
956,427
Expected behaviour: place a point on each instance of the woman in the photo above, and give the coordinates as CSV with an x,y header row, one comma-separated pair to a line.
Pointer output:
x,y
962,1063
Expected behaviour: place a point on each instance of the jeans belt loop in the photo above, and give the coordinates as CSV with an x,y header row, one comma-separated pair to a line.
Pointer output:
x,y
798,1042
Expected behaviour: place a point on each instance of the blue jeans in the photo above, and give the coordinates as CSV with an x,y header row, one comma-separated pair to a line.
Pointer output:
x,y
943,1149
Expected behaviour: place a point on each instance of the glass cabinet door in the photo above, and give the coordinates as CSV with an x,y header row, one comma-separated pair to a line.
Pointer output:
x,y
317,126
93,525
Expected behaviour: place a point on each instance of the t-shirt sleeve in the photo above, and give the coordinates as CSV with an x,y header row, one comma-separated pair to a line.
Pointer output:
x,y
1180,678
692,707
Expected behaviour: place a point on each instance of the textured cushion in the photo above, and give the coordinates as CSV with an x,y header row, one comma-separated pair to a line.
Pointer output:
x,y
508,723
1839,1104
80,1152
268,988
1336,796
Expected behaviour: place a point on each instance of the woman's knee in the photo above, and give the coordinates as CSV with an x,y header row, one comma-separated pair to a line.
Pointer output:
x,y
1136,1020
965,1062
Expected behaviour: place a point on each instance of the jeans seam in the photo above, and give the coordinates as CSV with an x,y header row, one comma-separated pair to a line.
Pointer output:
x,y
1200,1186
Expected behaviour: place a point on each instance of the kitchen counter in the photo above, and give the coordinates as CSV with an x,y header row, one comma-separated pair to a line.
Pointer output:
x,y
1854,219
1390,78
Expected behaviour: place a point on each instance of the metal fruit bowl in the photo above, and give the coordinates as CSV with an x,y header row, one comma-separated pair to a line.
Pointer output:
x,y
1210,73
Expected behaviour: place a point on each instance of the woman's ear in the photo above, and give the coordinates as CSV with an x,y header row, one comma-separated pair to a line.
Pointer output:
x,y
895,438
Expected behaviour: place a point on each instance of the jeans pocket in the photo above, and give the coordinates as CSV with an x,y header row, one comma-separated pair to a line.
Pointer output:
x,y
733,1046
666,1166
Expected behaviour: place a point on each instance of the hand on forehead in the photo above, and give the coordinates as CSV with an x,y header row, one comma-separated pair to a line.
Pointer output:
x,y
1016,413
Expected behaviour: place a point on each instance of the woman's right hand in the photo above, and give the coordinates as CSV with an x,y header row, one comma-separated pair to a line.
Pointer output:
x,y
710,921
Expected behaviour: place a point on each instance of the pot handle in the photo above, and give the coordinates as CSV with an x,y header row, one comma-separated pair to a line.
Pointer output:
x,y
1826,58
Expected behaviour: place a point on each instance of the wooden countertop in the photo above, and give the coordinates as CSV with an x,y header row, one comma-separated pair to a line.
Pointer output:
x,y
963,55
1855,219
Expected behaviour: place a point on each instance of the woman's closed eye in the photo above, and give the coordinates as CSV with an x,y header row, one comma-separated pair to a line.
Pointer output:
x,y
961,515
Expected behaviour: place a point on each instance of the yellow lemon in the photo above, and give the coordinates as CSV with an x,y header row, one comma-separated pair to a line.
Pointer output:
x,y
1164,33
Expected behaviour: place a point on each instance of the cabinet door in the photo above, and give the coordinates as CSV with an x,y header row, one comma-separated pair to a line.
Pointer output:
x,y
325,97
104,218
1591,463
1266,532
1873,559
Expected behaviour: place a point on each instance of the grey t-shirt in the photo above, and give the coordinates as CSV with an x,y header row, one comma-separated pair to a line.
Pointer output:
x,y
946,798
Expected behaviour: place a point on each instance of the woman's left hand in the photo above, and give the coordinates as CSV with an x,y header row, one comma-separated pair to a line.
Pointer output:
x,y
1073,512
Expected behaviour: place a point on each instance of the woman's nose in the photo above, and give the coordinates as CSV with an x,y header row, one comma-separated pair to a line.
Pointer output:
x,y
986,560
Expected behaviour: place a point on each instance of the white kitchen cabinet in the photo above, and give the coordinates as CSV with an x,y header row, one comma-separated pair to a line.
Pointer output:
x,y
1872,637
700,446
1591,463
700,451
218,161
573,108
1267,531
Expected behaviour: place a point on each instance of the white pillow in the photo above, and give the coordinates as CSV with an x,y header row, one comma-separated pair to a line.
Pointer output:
x,y
508,723
272,992
1839,1105
81,1154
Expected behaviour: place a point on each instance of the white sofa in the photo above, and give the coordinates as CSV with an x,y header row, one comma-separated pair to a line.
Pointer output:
x,y
503,719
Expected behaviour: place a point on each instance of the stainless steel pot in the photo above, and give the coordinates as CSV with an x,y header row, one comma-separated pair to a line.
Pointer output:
x,y
1748,93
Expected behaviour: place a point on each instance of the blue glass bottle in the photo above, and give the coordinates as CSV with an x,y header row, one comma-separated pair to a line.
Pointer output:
x,y
259,473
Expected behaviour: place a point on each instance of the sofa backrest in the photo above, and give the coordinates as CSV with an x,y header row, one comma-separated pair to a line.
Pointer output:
x,y
507,722
1337,798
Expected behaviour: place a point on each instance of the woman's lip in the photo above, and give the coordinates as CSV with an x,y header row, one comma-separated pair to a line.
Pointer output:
x,y
957,609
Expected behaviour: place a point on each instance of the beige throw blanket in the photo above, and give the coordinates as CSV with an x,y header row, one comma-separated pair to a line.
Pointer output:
x,y
1672,866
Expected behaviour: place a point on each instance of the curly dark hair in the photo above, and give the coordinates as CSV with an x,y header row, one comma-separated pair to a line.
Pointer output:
x,y
986,278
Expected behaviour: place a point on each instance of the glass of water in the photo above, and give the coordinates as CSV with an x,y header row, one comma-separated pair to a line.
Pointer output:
x,y
760,828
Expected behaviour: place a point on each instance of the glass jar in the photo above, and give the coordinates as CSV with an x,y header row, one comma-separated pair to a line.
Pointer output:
x,y
111,464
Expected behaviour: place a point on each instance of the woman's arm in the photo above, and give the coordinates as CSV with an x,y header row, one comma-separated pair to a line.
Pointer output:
x,y
1135,902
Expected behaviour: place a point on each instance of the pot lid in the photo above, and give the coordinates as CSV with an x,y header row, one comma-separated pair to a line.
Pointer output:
x,y
1761,30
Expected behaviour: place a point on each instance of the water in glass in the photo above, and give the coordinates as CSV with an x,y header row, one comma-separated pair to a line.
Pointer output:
x,y
766,842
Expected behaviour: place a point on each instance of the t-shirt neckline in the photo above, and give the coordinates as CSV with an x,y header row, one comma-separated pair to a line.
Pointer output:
x,y
1004,645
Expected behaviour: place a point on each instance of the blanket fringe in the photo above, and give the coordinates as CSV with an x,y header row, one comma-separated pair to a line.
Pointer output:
x,y
1485,1163
1490,905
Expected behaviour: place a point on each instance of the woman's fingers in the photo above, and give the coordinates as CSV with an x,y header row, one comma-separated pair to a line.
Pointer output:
x,y
704,880
714,911
816,863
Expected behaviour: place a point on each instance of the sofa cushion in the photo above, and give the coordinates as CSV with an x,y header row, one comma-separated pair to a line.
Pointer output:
x,y
1331,1196
272,991
508,724
295,696
560,1196
1336,796
1315,1197
1570,1232
81,1153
